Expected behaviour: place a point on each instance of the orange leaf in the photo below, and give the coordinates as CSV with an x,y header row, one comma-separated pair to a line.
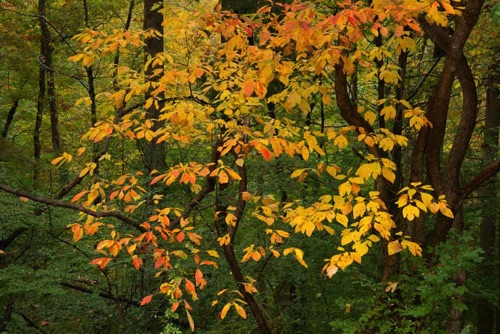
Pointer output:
x,y
146,300
101,262
249,88
175,306
78,196
198,276
77,232
190,286
157,178
264,151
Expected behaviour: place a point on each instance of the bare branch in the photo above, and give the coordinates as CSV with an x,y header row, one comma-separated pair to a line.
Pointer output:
x,y
72,206
488,172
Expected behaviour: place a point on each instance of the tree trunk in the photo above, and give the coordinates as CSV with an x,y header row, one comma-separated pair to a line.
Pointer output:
x,y
486,311
46,60
154,153
238,278
10,117
37,147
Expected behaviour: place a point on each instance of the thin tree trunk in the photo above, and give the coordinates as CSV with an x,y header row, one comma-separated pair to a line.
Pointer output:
x,y
37,147
90,81
10,118
238,278
154,153
7,314
488,234
46,60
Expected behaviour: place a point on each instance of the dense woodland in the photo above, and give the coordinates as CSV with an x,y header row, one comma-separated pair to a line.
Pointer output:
x,y
249,166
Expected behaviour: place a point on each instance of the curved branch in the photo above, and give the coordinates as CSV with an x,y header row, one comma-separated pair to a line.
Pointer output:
x,y
488,172
72,206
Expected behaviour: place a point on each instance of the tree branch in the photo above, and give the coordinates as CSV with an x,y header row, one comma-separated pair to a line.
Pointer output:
x,y
102,294
488,172
72,206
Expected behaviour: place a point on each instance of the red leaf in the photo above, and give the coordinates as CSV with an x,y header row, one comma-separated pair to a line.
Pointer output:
x,y
180,236
264,151
137,262
159,262
146,300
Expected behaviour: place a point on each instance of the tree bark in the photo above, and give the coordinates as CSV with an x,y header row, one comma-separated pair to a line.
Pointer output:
x,y
10,117
238,278
46,61
37,147
488,233
154,153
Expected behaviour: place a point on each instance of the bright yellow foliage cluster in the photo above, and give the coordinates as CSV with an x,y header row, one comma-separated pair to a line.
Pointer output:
x,y
214,87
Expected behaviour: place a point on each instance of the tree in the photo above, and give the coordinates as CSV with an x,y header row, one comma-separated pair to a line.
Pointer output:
x,y
240,101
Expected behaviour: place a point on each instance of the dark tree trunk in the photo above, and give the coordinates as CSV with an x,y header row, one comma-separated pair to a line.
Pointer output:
x,y
46,60
37,147
7,314
489,232
238,278
10,118
154,153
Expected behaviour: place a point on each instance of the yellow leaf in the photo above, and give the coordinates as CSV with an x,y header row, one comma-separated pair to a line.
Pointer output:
x,y
190,319
240,310
359,209
347,238
402,201
213,253
340,141
370,117
345,188
225,309
233,175
297,173
389,112
84,172
223,177
391,286
239,162
414,248
410,212
388,175
332,170
445,210
342,219
56,160
394,247
331,270
448,8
